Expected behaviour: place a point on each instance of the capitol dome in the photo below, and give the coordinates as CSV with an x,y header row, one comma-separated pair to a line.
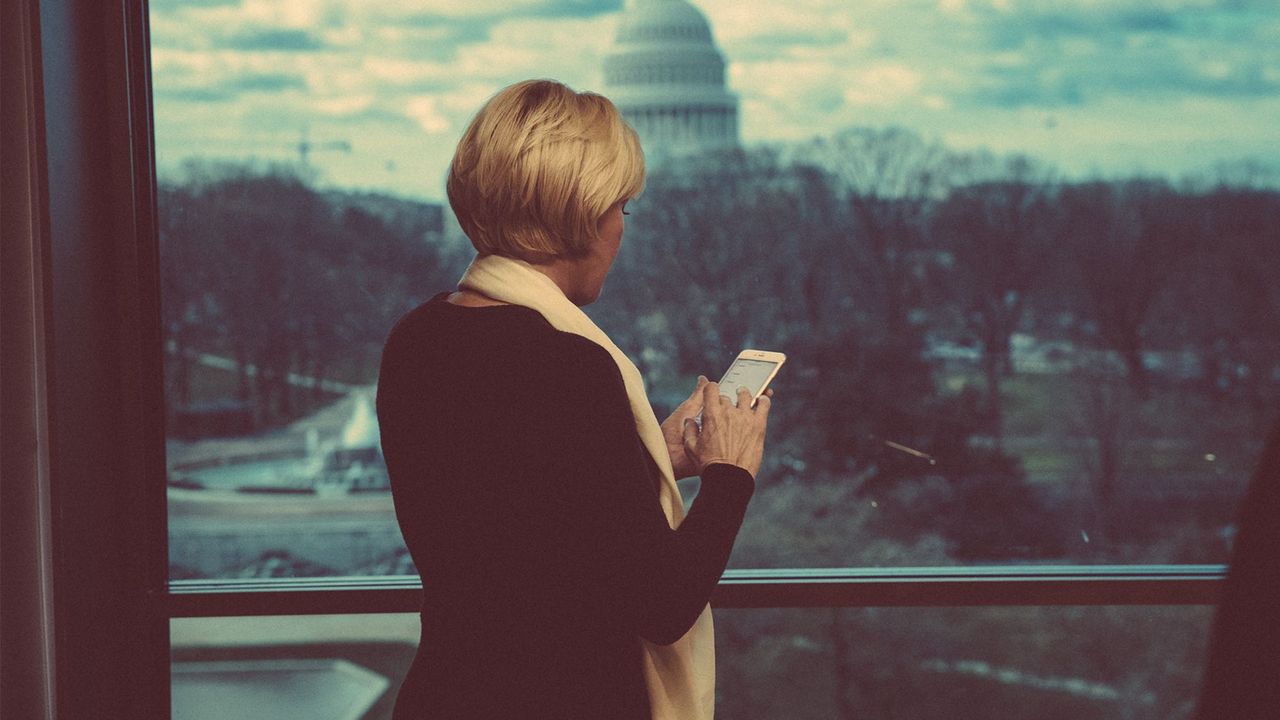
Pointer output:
x,y
666,75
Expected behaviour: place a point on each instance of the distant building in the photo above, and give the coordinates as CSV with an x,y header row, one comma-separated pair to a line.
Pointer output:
x,y
667,77
355,462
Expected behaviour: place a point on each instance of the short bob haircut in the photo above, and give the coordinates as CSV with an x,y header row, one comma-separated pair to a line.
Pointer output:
x,y
538,167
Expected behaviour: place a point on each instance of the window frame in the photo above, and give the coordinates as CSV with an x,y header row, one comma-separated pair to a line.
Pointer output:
x,y
106,414
98,315
960,586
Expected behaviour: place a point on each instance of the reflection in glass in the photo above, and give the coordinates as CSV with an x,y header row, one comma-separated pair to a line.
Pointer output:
x,y
956,664
825,664
317,667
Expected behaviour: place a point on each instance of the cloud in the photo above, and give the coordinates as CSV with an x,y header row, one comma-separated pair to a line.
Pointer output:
x,y
200,77
400,72
345,106
197,95
1014,87
270,83
577,8
768,45
425,111
168,6
883,84
1053,55
1016,29
275,39
400,78
438,36
452,10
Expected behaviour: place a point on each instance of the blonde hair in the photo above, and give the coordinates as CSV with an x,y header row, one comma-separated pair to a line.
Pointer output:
x,y
538,167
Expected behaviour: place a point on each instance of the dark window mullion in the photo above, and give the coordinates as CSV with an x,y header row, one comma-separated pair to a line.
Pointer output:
x,y
105,406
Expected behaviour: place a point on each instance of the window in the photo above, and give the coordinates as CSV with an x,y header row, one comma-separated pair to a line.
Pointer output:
x,y
992,357
969,265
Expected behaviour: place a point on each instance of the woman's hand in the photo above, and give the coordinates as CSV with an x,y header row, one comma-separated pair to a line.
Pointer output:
x,y
730,434
673,432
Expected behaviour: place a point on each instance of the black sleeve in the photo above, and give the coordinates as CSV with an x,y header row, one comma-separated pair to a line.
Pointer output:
x,y
654,579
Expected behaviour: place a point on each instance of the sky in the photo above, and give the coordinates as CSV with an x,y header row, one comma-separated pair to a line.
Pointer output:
x,y
381,90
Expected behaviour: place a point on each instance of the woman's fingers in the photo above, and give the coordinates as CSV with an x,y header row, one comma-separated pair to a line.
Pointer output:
x,y
690,433
763,403
711,390
710,400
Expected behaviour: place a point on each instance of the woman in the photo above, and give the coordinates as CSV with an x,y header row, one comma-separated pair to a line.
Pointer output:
x,y
534,487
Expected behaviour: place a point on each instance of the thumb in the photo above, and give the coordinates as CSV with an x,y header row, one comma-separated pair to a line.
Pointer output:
x,y
690,434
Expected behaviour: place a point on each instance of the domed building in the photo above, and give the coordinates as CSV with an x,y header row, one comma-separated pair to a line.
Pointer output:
x,y
666,75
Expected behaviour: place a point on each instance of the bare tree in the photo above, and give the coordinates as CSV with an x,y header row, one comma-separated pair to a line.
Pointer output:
x,y
996,236
719,245
261,268
1230,301
1104,413
888,179
1122,241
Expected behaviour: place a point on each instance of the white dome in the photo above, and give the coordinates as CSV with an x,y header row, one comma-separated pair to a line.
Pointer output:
x,y
667,77
663,20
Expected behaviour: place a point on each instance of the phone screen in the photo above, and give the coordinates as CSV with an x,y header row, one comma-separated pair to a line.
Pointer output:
x,y
751,374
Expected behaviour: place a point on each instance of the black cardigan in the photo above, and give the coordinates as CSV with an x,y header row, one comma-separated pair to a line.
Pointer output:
x,y
530,508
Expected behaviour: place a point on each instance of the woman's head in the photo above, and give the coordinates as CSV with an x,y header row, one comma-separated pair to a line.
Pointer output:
x,y
538,168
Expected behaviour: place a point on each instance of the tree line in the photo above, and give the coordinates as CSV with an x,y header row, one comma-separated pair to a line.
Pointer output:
x,y
860,253
262,268
857,254
884,240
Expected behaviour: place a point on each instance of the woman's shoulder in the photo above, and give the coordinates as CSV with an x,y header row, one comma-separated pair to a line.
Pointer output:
x,y
437,318
496,335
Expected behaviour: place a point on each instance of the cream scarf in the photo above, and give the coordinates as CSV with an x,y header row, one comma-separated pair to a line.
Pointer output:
x,y
681,676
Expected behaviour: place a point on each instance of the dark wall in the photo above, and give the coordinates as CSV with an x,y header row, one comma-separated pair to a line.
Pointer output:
x,y
26,642
85,627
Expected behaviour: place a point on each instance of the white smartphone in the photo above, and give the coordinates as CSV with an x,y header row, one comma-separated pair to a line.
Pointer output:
x,y
752,369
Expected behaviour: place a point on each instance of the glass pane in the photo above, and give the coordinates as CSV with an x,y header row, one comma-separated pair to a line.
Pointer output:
x,y
308,667
1044,663
960,663
1019,256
